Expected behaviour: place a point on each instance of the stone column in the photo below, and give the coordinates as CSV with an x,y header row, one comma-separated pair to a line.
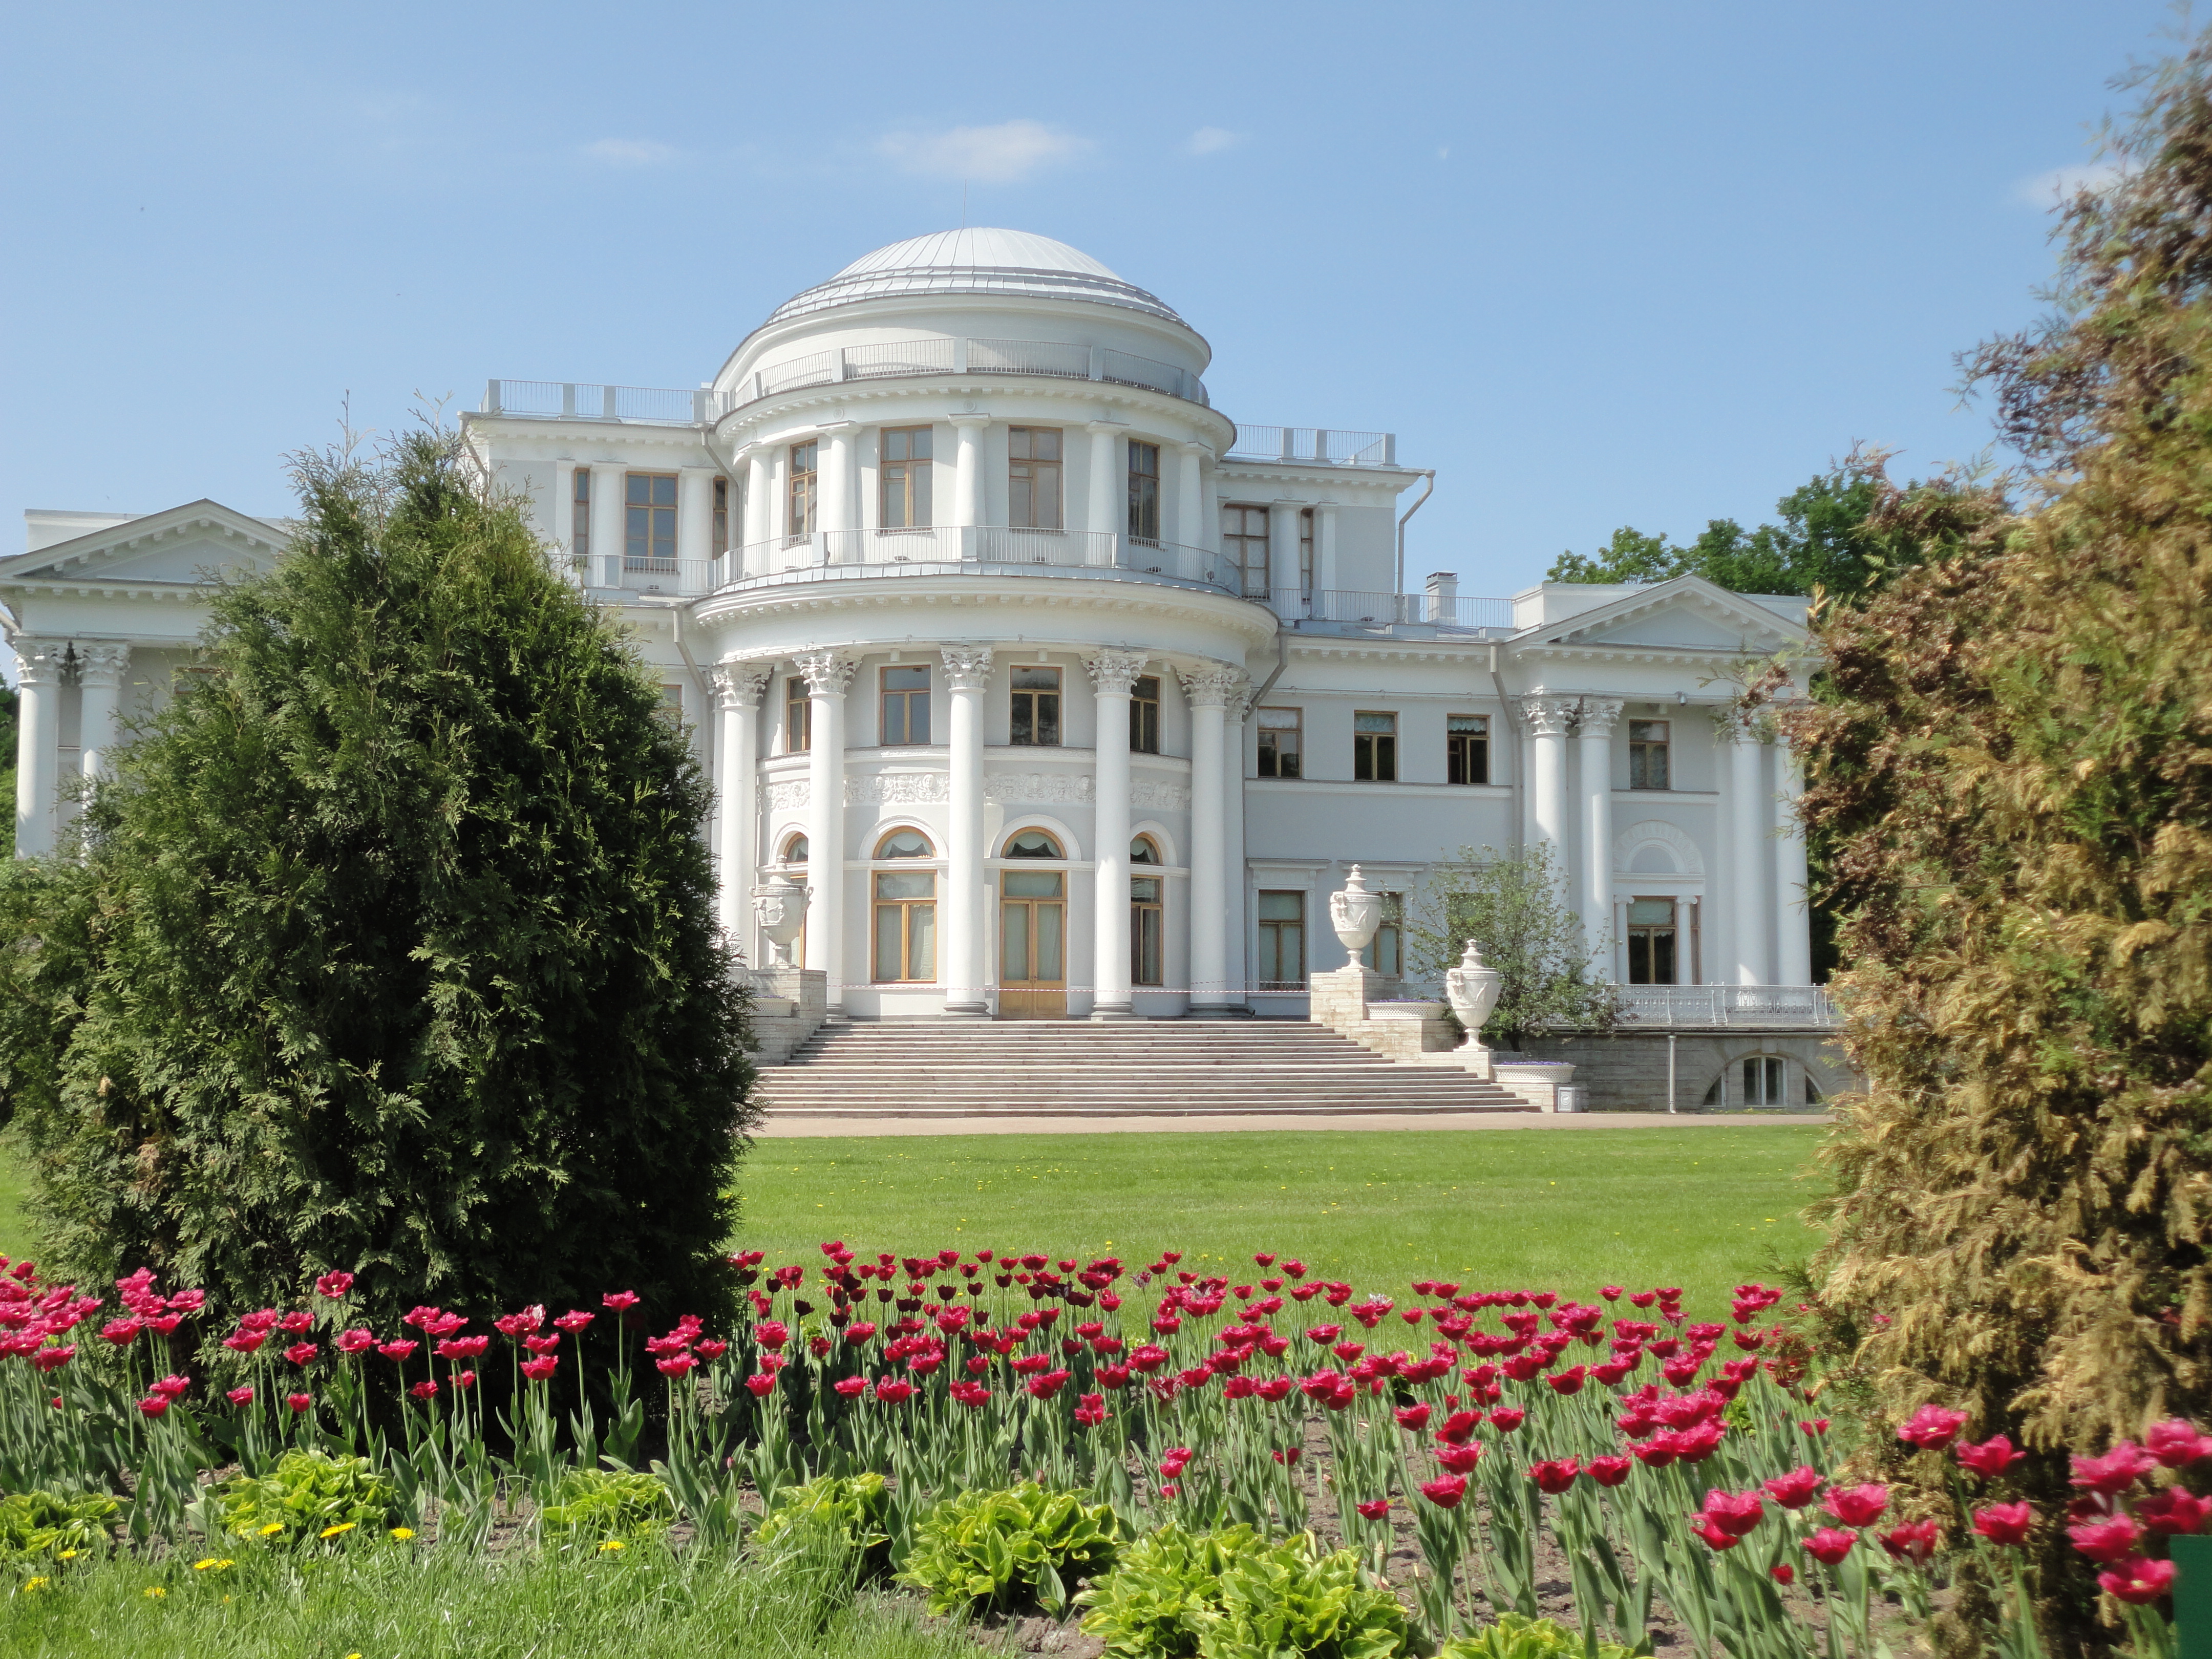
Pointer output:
x,y
1112,674
839,484
1235,941
695,525
737,688
100,669
1794,929
609,534
1548,719
1190,498
828,674
967,678
1283,597
1598,715
1208,690
1109,506
1325,548
38,742
760,510
968,475
1751,814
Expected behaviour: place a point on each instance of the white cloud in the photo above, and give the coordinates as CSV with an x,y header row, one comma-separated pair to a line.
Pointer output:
x,y
1208,141
1004,155
2060,185
631,152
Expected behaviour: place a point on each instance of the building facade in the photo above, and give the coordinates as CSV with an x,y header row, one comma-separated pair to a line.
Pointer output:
x,y
1065,694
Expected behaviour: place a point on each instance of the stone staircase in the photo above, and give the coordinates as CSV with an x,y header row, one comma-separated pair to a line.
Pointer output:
x,y
942,1068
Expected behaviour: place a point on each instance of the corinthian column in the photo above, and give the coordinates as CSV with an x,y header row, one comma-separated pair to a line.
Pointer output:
x,y
1548,719
1208,690
737,688
100,669
1598,715
967,678
1795,931
38,742
1107,506
1112,674
1750,816
968,476
828,674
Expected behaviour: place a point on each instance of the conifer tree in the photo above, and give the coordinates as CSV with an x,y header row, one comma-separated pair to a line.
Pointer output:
x,y
391,945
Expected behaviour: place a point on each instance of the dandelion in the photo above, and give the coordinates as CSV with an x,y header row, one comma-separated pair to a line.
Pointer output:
x,y
611,1544
340,1529
272,1529
153,1591
402,1533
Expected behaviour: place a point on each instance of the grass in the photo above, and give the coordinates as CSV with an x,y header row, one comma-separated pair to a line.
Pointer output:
x,y
1567,1210
15,1230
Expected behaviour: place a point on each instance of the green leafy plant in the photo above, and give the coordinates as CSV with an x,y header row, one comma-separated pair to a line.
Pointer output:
x,y
308,1496
1000,1549
606,1503
48,1524
849,1508
1233,1595
1515,1638
1510,904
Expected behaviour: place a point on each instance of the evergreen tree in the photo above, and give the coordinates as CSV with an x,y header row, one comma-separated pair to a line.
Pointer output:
x,y
391,945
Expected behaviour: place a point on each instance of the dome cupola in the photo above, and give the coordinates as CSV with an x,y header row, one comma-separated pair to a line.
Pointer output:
x,y
982,261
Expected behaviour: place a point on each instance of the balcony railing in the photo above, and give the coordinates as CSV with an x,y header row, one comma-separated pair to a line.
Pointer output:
x,y
1062,360
1736,1006
1321,446
580,400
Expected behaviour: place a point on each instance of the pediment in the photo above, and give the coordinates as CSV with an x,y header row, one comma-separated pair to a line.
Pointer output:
x,y
179,546
1687,613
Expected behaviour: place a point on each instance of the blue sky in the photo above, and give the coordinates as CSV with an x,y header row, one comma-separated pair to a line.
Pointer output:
x,y
1598,265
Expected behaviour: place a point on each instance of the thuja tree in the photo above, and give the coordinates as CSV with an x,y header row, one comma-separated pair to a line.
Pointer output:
x,y
1510,905
2015,773
390,948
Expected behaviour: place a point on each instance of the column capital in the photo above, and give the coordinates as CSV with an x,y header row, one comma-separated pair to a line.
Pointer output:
x,y
1105,426
1548,717
1598,715
39,662
1114,673
1209,687
103,664
740,685
968,419
828,672
967,667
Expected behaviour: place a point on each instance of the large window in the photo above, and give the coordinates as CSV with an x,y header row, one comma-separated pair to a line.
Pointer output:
x,y
649,521
1244,544
1035,712
721,515
1651,953
1467,748
902,468
1144,930
1033,499
1306,553
1145,716
798,716
1386,952
799,491
1282,941
1143,491
1374,747
1281,744
579,520
905,918
1764,1081
1647,755
906,705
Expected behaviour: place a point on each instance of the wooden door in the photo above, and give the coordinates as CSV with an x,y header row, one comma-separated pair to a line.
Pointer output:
x,y
1033,945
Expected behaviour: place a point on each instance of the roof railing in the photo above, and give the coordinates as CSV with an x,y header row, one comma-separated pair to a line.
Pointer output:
x,y
1318,446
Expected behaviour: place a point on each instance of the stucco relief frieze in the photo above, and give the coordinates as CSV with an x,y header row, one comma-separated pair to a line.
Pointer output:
x,y
791,796
897,789
1028,788
1159,796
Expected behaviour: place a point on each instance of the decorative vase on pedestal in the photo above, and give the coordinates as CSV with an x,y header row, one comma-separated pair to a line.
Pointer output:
x,y
779,908
1355,914
1472,988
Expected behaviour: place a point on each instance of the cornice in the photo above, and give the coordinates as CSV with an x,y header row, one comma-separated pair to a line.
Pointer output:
x,y
754,422
1720,607
516,432
1034,593
1383,479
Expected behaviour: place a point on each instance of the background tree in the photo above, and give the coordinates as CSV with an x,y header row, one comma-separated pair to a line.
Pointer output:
x,y
391,949
8,706
2014,769
1510,905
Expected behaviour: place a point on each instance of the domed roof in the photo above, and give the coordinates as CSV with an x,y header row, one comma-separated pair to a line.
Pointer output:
x,y
979,261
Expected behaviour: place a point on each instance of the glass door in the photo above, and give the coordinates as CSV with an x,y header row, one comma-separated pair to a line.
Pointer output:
x,y
1033,945
1651,942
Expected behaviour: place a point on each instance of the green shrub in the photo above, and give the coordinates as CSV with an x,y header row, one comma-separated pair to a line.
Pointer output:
x,y
1515,1638
308,1496
594,1504
1000,1549
1233,1595
45,1524
850,1509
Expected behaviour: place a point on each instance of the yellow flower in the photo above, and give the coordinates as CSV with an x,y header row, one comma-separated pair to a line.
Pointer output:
x,y
154,1590
66,1555
342,1526
210,1565
611,1544
272,1529
403,1533
30,1584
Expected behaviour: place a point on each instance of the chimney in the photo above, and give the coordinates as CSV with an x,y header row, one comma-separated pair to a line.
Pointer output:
x,y
1443,600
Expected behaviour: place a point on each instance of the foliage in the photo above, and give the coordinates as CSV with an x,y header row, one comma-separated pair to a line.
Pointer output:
x,y
1510,905
1516,1637
10,710
1002,1549
597,1504
851,1508
45,1524
393,946
1231,1594
2015,770
304,1497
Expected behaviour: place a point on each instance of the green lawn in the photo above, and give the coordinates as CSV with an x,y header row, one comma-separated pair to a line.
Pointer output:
x,y
1570,1210
15,1236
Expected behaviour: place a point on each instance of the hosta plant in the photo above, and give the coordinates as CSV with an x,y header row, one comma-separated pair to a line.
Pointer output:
x,y
1515,1638
309,1496
50,1524
604,1504
997,1549
850,1509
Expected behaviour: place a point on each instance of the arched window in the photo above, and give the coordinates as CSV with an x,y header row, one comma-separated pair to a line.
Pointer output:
x,y
1145,850
904,844
795,850
1033,844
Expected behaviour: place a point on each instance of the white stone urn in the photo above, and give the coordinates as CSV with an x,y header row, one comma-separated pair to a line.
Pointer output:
x,y
1472,988
1355,914
779,908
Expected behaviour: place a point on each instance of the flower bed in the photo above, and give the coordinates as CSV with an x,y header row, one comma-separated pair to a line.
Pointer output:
x,y
1663,1459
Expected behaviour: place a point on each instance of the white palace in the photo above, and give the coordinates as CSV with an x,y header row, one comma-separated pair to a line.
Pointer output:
x,y
1066,694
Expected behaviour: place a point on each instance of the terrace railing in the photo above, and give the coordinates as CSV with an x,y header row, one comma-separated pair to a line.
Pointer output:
x,y
1321,446
1709,1007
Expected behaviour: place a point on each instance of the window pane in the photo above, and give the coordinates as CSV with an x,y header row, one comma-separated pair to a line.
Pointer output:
x,y
1145,888
887,941
906,883
1044,443
1022,727
905,844
1031,883
1374,722
639,489
794,851
918,484
1048,955
906,680
1141,851
664,491
1279,719
922,941
1033,844
1037,679
1650,912
1476,723
1014,941
1048,721
1647,730
1282,906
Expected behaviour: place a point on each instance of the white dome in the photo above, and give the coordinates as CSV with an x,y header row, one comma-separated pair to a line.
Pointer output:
x,y
978,261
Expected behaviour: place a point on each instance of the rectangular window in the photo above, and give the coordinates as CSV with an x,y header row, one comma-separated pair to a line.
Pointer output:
x,y
799,491
1143,491
903,471
580,527
1374,748
1281,744
649,525
1035,710
1386,952
1652,948
906,925
798,716
1647,755
1244,544
721,516
1144,930
671,703
1033,498
1306,553
1282,941
1145,716
1763,1084
1466,748
906,705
